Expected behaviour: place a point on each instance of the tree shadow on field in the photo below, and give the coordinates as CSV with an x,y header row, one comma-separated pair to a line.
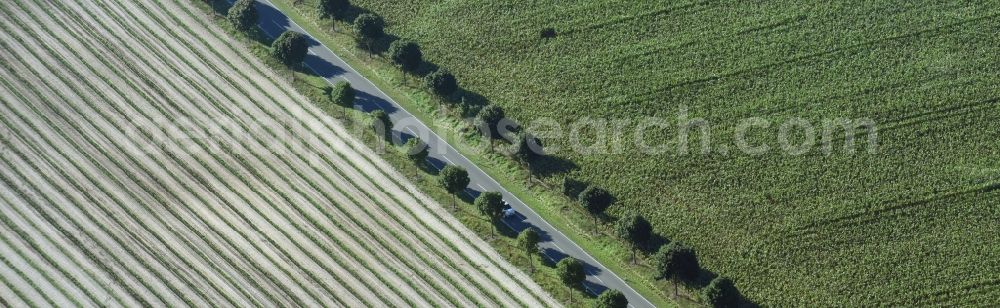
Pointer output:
x,y
704,278
468,102
353,12
655,242
379,46
551,165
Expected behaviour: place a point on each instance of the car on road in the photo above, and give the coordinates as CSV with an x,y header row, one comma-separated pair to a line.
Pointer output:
x,y
508,211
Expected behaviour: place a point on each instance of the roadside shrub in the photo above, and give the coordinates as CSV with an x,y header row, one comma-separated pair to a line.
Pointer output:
x,y
595,200
721,293
488,121
570,272
369,27
634,230
454,180
611,298
441,82
406,54
381,123
243,15
290,48
676,262
343,95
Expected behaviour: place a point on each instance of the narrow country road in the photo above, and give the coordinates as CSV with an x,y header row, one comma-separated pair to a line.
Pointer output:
x,y
555,245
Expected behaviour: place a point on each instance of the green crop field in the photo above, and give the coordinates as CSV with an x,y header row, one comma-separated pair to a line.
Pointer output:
x,y
912,219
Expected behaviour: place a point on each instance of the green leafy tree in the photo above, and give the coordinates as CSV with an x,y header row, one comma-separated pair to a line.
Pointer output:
x,y
406,54
721,293
243,15
488,121
290,48
635,230
528,241
441,82
595,200
336,9
369,28
570,272
490,204
342,94
417,151
611,298
454,180
527,148
676,262
381,123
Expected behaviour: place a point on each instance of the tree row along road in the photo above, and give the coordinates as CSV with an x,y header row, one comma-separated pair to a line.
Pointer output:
x,y
148,160
555,245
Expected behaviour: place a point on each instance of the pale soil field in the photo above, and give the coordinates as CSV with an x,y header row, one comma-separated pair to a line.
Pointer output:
x,y
149,161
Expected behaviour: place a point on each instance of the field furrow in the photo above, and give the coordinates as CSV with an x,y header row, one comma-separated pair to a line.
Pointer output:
x,y
104,287
10,297
119,198
106,241
108,164
49,286
82,94
72,280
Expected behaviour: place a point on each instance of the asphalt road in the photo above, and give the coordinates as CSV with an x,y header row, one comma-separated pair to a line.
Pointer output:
x,y
555,245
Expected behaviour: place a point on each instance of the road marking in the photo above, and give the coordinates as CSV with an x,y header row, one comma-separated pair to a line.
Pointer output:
x,y
557,246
